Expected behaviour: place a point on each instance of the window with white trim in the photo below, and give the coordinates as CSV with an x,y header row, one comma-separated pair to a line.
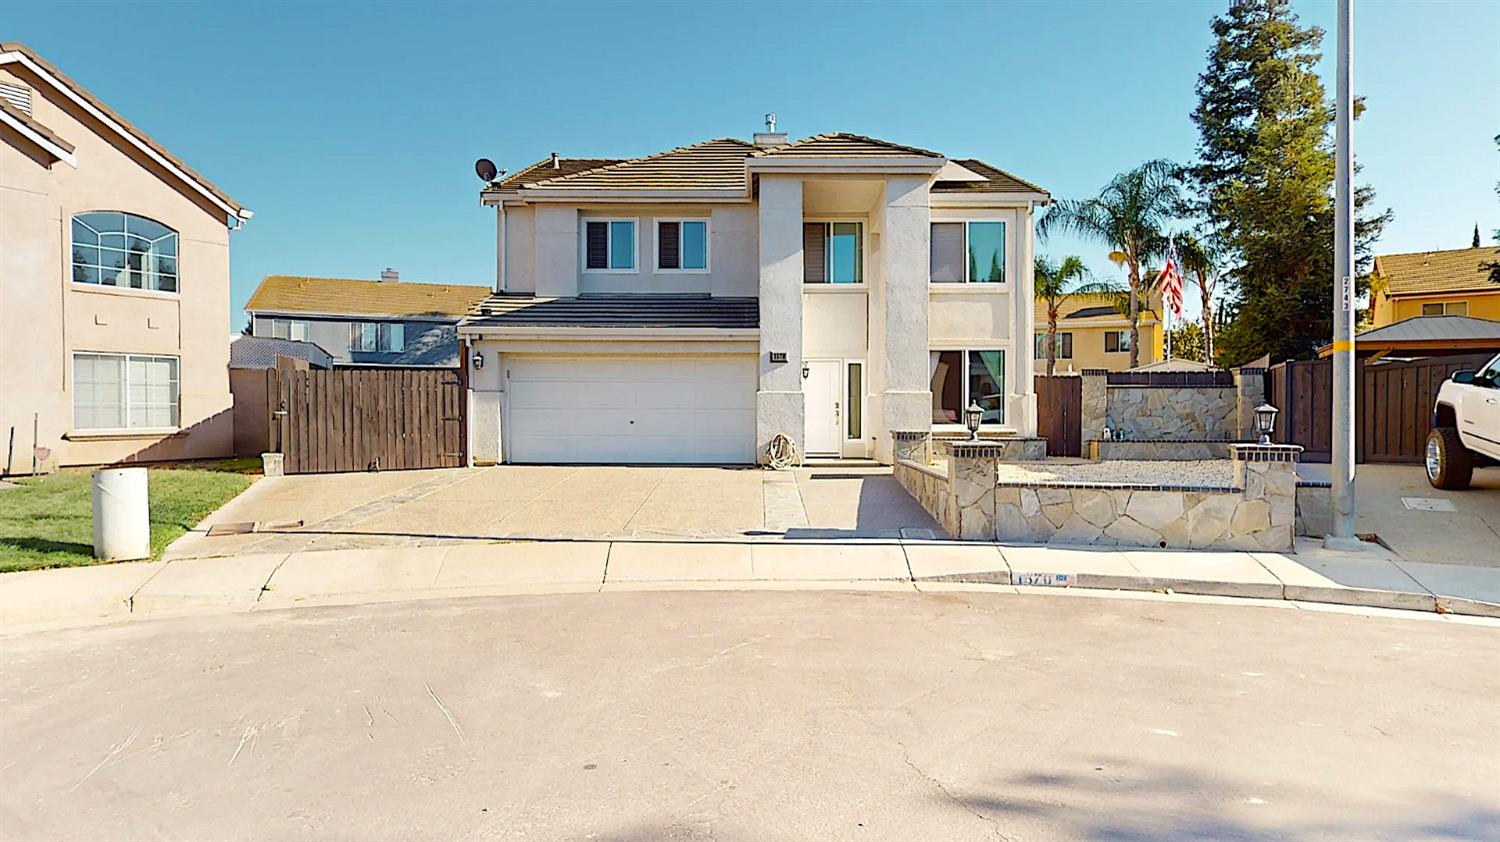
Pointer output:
x,y
289,329
1116,341
117,249
125,391
970,252
1064,346
609,245
377,336
682,245
968,376
833,252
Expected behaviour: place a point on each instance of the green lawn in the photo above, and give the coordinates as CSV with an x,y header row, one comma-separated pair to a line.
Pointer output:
x,y
48,521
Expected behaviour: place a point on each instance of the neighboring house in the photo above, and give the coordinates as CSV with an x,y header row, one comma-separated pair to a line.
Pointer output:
x,y
384,322
1093,333
114,284
1434,283
692,305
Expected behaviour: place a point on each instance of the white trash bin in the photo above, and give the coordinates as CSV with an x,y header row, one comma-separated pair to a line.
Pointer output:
x,y
122,515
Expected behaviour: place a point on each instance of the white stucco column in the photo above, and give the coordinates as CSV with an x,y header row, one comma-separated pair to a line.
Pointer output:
x,y
906,401
1020,407
779,406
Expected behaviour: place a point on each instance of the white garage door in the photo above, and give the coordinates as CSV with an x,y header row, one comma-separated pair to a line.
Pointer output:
x,y
631,410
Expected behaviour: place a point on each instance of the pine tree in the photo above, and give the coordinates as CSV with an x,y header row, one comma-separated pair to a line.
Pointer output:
x,y
1476,236
1264,181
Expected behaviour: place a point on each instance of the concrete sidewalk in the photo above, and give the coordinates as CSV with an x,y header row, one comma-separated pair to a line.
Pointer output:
x,y
74,596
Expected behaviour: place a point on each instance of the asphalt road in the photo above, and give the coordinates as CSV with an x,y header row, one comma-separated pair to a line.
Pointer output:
x,y
755,715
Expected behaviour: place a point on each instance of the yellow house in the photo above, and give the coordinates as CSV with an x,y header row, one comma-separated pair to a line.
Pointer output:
x,y
1434,283
1091,333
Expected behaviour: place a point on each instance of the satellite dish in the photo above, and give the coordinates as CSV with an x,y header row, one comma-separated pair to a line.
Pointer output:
x,y
486,170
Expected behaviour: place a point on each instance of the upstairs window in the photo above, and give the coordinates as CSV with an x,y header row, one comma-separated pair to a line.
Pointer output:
x,y
682,245
124,250
1116,341
289,329
609,245
377,336
1446,308
1064,346
968,252
833,252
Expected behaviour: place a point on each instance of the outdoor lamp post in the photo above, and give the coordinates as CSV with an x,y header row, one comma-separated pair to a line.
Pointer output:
x,y
1265,421
972,417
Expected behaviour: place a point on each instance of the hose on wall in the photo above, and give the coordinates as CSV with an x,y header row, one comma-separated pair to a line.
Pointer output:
x,y
782,454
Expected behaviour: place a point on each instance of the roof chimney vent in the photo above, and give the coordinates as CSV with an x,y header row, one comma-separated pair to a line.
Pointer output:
x,y
556,162
389,276
770,137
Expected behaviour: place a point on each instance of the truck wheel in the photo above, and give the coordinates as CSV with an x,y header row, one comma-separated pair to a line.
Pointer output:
x,y
1450,466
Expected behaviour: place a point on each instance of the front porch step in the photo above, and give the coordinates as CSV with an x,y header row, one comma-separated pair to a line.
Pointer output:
x,y
831,462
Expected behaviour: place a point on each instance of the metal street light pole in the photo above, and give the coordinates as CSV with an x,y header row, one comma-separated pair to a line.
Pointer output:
x,y
1341,535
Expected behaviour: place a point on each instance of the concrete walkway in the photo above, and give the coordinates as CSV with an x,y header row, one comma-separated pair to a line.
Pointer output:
x,y
74,596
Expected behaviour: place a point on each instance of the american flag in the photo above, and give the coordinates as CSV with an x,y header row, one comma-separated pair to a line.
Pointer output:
x,y
1170,281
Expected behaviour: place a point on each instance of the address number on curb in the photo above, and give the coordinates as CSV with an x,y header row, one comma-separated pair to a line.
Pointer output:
x,y
1044,580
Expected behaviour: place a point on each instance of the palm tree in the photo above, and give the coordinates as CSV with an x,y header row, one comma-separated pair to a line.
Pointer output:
x,y
1200,262
1055,284
1129,215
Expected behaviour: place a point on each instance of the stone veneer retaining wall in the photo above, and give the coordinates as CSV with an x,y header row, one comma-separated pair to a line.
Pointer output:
x,y
1135,451
1258,513
1168,412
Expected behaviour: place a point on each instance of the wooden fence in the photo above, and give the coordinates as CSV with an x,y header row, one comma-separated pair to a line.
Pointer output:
x,y
1393,405
1059,411
369,419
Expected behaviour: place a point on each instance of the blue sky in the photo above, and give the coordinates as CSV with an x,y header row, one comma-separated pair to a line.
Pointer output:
x,y
351,128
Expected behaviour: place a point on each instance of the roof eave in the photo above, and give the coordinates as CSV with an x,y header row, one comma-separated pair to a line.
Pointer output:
x,y
607,332
848,164
11,55
987,198
54,147
605,194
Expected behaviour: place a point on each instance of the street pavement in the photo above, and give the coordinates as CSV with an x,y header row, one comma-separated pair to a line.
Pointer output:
x,y
757,715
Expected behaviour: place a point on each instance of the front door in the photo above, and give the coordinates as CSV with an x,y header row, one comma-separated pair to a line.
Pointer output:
x,y
821,391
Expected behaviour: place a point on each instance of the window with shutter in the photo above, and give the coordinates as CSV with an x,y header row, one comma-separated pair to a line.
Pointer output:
x,y
669,245
814,252
597,245
947,252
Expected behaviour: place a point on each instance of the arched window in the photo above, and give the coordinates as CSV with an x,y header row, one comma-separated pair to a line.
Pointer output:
x,y
124,250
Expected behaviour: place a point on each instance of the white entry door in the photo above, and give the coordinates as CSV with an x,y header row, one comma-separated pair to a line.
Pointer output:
x,y
821,391
622,410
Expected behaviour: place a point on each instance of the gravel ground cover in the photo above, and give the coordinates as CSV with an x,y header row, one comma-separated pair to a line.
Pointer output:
x,y
1208,472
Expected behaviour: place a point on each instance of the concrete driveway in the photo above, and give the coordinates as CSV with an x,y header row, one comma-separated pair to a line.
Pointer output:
x,y
418,508
1438,527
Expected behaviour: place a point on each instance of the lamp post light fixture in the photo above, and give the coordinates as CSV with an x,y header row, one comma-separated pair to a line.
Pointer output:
x,y
806,370
972,416
1265,421
477,360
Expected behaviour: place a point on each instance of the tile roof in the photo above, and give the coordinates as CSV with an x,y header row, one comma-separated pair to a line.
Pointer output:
x,y
82,92
996,180
543,170
31,122
340,296
262,351
843,145
1423,272
643,311
711,165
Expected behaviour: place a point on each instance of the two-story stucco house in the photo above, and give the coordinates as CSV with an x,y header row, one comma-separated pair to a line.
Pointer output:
x,y
387,322
114,284
690,306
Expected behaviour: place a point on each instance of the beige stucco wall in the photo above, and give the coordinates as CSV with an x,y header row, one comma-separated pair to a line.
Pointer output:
x,y
45,318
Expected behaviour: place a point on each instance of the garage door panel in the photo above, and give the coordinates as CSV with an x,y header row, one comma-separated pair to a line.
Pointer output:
x,y
635,410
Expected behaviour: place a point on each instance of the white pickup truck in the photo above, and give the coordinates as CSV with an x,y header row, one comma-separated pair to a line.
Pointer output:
x,y
1465,426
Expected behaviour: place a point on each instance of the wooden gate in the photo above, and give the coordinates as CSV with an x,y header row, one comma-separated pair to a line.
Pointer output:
x,y
369,419
1395,401
1393,405
1303,391
1059,409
